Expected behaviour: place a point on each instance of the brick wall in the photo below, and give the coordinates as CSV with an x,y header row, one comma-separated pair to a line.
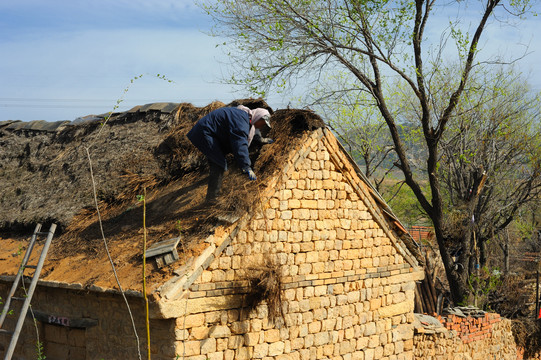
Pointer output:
x,y
347,290
488,337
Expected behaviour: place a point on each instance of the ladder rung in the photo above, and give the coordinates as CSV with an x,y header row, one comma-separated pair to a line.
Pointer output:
x,y
42,233
30,267
2,331
18,298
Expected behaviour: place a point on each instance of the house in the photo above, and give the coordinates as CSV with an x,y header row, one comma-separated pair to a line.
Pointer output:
x,y
307,262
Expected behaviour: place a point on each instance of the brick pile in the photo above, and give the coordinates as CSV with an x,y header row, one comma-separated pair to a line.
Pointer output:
x,y
486,337
470,328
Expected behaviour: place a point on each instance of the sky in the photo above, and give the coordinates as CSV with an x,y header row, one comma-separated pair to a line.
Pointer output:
x,y
64,59
60,60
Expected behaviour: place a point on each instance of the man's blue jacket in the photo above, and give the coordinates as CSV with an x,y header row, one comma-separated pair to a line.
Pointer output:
x,y
223,131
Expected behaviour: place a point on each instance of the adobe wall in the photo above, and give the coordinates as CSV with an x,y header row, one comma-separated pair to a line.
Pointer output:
x,y
112,336
488,337
348,293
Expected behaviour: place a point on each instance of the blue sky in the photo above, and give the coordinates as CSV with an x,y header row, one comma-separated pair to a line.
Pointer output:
x,y
64,59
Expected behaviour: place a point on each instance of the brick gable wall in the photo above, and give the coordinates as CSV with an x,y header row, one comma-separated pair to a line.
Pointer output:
x,y
347,291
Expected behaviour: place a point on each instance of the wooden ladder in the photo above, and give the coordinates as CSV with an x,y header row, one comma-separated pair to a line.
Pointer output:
x,y
19,278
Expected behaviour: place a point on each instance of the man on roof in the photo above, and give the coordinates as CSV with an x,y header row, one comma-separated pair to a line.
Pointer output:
x,y
223,131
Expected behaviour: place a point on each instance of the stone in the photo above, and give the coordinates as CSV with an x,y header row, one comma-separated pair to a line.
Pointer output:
x,y
272,335
188,348
199,333
321,338
251,339
395,309
215,356
244,353
276,348
208,346
219,331
261,350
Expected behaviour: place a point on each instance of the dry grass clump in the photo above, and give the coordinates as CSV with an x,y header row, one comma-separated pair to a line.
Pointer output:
x,y
239,194
527,334
136,185
176,152
265,285
252,104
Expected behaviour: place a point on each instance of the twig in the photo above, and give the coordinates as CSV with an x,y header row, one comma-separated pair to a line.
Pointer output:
x,y
107,250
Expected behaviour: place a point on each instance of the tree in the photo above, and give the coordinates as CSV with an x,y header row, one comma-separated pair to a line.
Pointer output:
x,y
491,161
276,43
359,127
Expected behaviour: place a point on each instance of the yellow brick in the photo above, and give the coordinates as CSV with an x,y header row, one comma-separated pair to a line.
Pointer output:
x,y
345,223
318,267
315,303
304,268
270,214
328,184
286,215
272,335
291,184
309,204
285,194
192,321
309,194
206,276
188,348
251,339
303,214
314,327
295,236
294,203
297,194
312,256
199,333
375,304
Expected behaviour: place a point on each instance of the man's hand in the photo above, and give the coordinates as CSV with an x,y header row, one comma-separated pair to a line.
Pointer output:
x,y
266,141
250,173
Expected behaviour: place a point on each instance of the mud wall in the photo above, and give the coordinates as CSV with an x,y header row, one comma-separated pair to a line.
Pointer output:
x,y
81,325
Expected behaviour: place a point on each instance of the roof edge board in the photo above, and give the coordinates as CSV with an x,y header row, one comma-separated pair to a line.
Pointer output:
x,y
381,222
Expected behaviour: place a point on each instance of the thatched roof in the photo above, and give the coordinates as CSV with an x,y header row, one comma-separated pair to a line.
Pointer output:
x,y
45,176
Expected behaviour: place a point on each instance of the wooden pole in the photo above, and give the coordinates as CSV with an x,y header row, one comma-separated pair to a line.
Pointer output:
x,y
537,293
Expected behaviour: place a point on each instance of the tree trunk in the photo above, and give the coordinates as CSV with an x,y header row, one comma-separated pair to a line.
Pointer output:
x,y
455,275
506,252
482,252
